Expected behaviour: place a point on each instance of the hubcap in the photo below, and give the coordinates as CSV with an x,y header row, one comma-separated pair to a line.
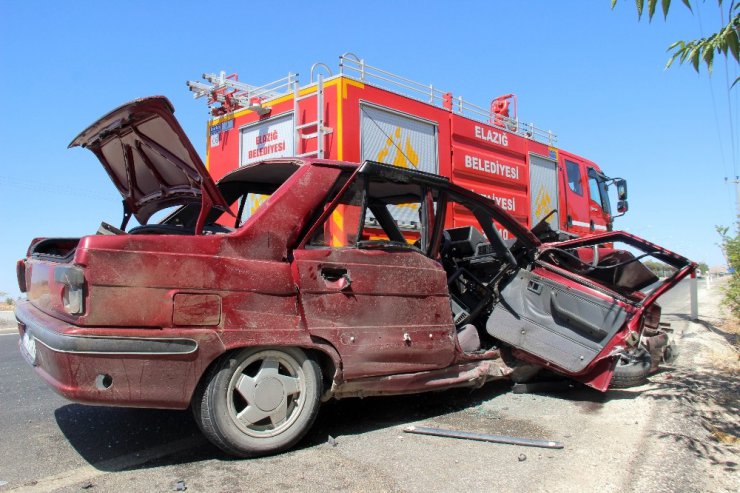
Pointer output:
x,y
264,394
268,394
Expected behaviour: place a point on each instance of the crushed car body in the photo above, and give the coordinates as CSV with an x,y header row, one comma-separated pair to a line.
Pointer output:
x,y
294,281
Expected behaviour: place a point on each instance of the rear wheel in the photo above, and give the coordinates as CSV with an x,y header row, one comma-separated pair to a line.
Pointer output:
x,y
259,401
632,369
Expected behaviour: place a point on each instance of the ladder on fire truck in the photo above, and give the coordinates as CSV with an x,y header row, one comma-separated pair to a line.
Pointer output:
x,y
231,95
320,131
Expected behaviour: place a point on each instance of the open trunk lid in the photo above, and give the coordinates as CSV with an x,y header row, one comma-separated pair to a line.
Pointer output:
x,y
149,158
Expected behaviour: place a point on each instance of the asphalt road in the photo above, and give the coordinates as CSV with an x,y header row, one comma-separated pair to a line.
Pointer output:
x,y
49,443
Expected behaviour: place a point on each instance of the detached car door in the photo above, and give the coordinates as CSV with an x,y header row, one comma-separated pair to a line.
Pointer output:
x,y
366,289
581,300
556,319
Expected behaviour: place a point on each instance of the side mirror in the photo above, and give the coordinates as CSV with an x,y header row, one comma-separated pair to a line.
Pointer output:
x,y
621,184
622,207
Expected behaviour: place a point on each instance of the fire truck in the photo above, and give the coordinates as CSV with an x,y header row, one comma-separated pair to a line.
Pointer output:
x,y
366,113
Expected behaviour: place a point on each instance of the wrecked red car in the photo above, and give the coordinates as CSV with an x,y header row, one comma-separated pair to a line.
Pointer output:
x,y
295,281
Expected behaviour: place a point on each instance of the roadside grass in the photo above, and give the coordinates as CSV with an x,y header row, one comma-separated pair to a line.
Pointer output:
x,y
704,383
731,325
726,361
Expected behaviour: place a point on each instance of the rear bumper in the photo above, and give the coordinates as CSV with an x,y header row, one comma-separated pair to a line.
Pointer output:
x,y
113,366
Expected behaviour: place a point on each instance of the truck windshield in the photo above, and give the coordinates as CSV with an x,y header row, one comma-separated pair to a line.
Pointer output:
x,y
598,190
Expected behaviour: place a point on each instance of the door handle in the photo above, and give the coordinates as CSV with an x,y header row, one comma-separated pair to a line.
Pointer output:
x,y
336,278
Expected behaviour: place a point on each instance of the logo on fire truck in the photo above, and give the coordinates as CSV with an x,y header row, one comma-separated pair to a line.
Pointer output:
x,y
403,156
543,204
270,138
399,139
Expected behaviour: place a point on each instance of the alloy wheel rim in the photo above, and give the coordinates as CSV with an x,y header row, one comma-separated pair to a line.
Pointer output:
x,y
266,393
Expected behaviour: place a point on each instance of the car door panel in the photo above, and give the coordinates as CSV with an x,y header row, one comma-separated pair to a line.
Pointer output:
x,y
561,324
391,314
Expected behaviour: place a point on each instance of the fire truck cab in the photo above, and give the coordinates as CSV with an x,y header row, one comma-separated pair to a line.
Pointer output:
x,y
365,113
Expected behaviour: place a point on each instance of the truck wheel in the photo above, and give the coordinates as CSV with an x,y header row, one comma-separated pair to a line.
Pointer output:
x,y
259,401
632,369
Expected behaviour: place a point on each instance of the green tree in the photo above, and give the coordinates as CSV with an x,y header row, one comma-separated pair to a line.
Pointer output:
x,y
731,247
724,42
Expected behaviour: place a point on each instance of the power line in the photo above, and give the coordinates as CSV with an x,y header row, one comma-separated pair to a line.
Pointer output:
x,y
729,99
714,107
51,189
725,168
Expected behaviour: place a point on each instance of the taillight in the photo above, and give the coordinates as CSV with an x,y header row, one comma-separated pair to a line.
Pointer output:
x,y
73,288
20,272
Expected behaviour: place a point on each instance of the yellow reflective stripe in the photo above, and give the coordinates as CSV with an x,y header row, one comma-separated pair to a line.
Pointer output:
x,y
350,82
208,147
341,95
337,228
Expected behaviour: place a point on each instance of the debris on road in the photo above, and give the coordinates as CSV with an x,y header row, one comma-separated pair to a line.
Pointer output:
x,y
180,485
483,437
522,457
332,441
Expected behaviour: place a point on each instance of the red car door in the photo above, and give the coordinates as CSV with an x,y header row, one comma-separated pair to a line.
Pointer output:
x,y
384,311
575,321
367,289
562,322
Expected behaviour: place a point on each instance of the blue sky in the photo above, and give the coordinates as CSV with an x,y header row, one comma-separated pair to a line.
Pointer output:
x,y
592,75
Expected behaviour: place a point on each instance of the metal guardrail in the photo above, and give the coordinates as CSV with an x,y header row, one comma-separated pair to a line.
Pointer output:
x,y
351,64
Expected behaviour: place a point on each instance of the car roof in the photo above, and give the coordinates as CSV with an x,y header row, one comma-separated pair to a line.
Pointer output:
x,y
269,170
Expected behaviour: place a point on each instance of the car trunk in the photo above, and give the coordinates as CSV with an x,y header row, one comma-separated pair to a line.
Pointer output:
x,y
154,166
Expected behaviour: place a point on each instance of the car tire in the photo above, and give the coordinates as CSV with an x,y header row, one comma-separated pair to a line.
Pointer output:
x,y
632,369
258,401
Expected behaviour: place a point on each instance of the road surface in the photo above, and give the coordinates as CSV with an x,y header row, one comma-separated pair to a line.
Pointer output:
x,y
616,441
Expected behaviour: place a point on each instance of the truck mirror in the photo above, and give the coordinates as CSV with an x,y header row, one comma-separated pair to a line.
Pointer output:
x,y
622,207
621,190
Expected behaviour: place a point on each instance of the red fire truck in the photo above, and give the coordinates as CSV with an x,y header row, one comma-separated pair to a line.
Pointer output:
x,y
365,113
